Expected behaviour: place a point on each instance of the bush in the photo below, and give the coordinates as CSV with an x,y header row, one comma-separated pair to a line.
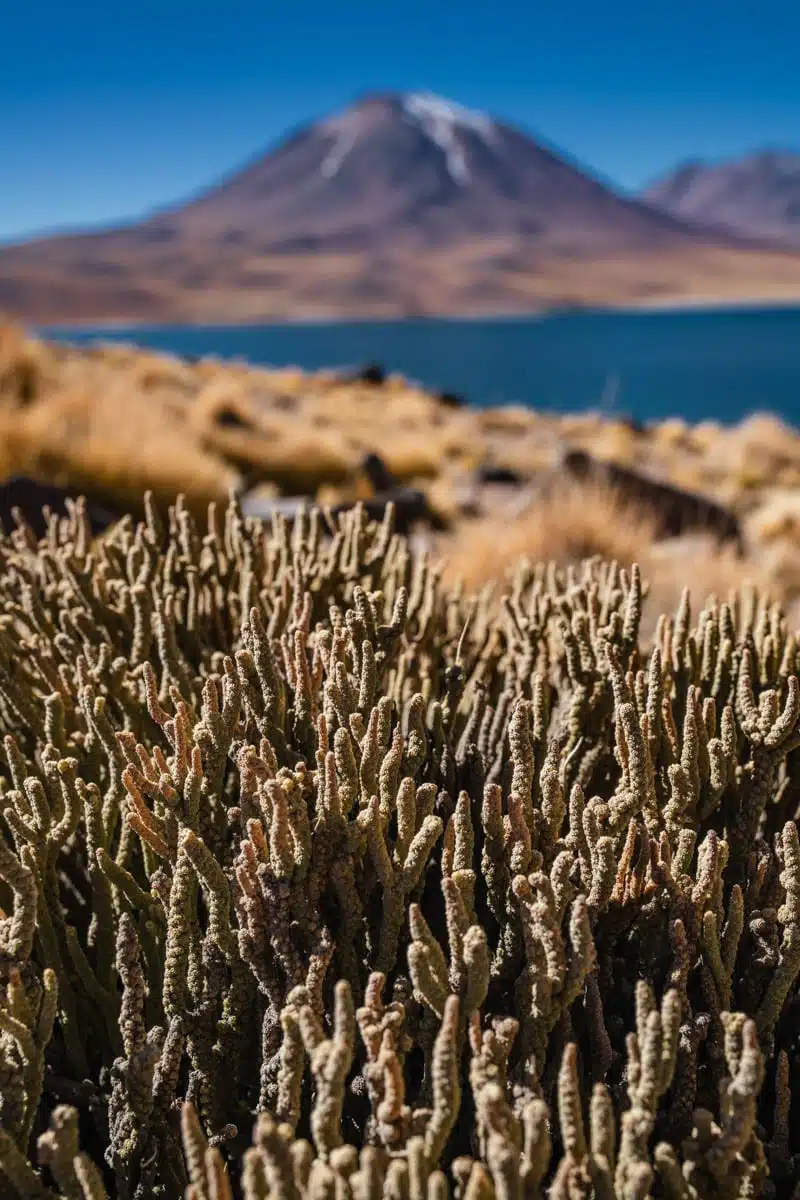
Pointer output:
x,y
320,881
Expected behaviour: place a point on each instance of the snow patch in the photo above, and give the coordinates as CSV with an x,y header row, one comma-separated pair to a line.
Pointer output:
x,y
345,129
338,153
442,121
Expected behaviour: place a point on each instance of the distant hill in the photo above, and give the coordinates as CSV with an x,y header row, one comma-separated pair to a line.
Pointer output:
x,y
757,196
402,204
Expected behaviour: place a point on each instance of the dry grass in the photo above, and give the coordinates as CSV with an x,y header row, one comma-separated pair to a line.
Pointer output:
x,y
707,569
570,523
113,421
304,431
115,470
566,524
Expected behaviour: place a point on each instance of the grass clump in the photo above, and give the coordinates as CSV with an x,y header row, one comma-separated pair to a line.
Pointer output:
x,y
319,879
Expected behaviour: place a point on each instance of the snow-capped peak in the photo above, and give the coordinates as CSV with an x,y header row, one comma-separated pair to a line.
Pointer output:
x,y
442,120
429,109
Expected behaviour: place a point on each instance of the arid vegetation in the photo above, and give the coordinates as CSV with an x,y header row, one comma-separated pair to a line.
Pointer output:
x,y
322,878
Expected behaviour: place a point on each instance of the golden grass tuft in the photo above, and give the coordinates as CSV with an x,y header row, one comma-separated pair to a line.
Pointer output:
x,y
572,522
86,441
777,517
564,524
708,569
27,369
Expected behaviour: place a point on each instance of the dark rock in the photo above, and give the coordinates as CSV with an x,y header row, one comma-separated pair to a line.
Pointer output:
x,y
451,400
29,497
379,476
676,511
410,508
632,423
578,463
372,373
229,418
489,473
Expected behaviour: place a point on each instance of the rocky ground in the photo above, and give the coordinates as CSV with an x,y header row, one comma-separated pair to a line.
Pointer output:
x,y
111,421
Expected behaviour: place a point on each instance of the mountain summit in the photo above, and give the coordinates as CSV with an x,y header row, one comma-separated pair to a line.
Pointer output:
x,y
757,196
402,204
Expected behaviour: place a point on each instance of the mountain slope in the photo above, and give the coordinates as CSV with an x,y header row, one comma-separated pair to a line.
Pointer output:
x,y
757,196
401,204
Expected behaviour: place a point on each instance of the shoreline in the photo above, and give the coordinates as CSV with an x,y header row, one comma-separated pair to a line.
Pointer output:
x,y
708,305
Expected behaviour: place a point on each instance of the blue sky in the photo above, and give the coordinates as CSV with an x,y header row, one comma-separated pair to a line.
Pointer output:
x,y
108,110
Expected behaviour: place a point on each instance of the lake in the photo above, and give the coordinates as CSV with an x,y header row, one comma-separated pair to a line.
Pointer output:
x,y
695,364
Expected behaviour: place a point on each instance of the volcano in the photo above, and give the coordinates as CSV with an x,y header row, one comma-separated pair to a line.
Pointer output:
x,y
402,204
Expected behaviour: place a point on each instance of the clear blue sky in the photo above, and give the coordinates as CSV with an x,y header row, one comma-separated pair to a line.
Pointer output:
x,y
110,109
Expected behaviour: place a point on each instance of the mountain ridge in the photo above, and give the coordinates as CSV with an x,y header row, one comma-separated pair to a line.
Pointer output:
x,y
753,195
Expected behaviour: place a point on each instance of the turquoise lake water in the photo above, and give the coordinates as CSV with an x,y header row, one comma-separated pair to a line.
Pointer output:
x,y
646,365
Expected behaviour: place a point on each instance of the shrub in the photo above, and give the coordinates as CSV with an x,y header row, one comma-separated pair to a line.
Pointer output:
x,y
318,880
566,522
